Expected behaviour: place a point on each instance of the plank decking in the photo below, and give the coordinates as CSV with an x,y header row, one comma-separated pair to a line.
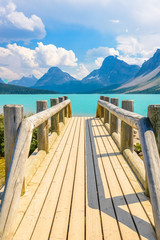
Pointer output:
x,y
84,189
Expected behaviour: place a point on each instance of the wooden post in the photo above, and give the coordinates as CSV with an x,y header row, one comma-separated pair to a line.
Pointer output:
x,y
61,113
13,115
114,119
42,130
106,112
55,118
126,130
154,117
101,108
66,108
69,110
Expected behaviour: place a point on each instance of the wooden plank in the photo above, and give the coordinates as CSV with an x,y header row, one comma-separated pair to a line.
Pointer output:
x,y
61,220
109,221
126,224
77,219
141,220
46,216
93,220
37,202
36,180
133,181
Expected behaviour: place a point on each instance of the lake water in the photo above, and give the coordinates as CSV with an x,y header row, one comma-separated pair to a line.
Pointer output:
x,y
82,104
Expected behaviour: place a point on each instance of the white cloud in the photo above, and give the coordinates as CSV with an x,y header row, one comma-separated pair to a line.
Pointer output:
x,y
99,61
102,52
8,74
114,21
14,25
141,46
50,55
81,71
16,61
133,60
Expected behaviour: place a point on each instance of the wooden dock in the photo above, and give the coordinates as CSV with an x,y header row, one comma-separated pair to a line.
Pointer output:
x,y
83,189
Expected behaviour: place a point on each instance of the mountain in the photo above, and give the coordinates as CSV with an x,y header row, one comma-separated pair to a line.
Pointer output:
x,y
25,81
147,79
1,81
12,89
57,80
112,72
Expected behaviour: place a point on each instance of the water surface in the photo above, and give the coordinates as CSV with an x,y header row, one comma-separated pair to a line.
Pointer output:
x,y
82,104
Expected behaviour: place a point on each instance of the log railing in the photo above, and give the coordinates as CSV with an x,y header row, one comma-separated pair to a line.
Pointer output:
x,y
18,135
149,140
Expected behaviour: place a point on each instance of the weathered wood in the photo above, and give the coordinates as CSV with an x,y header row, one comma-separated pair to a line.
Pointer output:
x,y
136,164
128,117
66,108
55,118
13,115
39,118
126,130
113,118
32,165
152,166
98,110
61,113
106,112
42,131
154,117
69,110
116,138
13,187
15,178
102,109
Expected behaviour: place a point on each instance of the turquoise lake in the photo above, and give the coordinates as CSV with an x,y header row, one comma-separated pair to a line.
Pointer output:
x,y
82,104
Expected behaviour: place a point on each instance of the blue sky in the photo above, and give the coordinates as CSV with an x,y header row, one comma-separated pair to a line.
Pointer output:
x,y
75,35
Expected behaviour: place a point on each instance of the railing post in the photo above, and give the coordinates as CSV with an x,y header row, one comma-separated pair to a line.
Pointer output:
x,y
154,117
61,113
55,118
13,115
66,108
114,119
69,110
126,130
101,108
106,112
42,130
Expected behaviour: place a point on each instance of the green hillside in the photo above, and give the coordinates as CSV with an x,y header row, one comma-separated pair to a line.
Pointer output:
x,y
12,89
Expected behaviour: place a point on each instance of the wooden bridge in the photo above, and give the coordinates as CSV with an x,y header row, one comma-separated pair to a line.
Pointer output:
x,y
84,181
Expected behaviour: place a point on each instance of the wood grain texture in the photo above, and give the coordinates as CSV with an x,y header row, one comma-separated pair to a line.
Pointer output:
x,y
11,197
43,129
13,115
113,118
124,115
55,118
152,166
126,130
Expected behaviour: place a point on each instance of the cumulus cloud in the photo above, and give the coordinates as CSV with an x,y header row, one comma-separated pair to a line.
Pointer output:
x,y
81,71
16,61
99,61
102,52
14,25
141,46
50,55
8,74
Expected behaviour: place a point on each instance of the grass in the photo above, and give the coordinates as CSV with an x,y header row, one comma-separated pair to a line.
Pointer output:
x,y
2,172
